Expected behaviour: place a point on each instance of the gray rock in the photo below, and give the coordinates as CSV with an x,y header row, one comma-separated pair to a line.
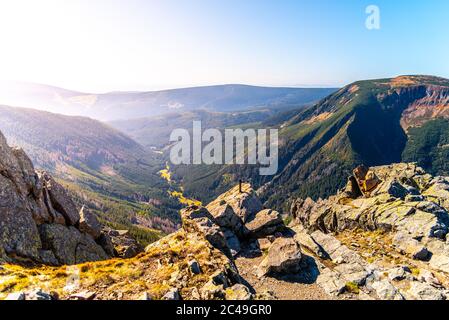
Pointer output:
x,y
198,219
69,245
245,204
125,246
264,223
331,282
106,243
225,217
327,242
353,272
35,213
48,257
407,245
89,223
284,257
60,199
239,292
39,295
424,291
440,262
172,294
306,241
398,273
395,189
232,242
335,250
386,291
428,277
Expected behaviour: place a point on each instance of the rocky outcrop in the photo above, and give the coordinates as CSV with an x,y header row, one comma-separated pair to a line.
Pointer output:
x,y
245,204
406,199
39,222
385,233
239,217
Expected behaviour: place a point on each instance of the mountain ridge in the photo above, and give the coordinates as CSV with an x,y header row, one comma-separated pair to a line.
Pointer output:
x,y
358,124
128,105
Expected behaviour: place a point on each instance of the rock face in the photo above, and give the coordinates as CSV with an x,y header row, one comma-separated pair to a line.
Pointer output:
x,y
119,243
89,223
385,232
39,223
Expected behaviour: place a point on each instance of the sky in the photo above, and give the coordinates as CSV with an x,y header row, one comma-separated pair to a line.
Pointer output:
x,y
108,45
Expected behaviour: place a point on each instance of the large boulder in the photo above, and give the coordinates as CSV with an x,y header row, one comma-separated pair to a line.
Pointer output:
x,y
264,223
284,257
412,247
89,223
382,208
245,204
423,291
69,245
225,216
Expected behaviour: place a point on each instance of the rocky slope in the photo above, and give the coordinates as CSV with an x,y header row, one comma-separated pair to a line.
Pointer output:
x,y
385,234
196,262
39,223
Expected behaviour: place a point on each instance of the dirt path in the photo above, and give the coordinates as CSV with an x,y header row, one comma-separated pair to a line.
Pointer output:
x,y
288,288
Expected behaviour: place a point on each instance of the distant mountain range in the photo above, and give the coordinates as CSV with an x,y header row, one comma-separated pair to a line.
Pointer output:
x,y
129,105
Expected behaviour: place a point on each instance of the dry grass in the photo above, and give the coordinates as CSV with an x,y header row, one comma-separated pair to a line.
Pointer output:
x,y
164,265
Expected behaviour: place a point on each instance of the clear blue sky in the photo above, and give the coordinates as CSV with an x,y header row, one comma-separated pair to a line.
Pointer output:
x,y
102,45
